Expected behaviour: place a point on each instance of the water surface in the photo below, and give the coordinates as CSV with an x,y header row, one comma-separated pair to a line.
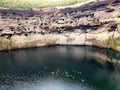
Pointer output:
x,y
60,68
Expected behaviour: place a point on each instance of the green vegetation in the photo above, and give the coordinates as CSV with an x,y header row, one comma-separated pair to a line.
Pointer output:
x,y
37,3
4,44
113,43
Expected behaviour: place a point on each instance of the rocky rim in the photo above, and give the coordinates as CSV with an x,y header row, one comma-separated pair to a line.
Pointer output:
x,y
89,23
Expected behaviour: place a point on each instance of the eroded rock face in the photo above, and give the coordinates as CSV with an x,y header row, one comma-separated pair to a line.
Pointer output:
x,y
68,26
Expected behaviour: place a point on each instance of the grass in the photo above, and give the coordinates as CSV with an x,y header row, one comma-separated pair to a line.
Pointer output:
x,y
4,44
113,42
37,3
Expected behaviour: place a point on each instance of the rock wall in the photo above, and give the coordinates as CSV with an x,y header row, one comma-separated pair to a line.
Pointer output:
x,y
97,26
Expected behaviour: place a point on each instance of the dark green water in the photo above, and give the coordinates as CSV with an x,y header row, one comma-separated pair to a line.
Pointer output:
x,y
60,68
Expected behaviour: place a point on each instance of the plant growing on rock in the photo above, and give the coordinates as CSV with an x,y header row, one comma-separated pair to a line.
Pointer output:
x,y
5,44
113,42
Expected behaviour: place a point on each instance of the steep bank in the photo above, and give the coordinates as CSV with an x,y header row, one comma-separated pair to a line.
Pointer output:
x,y
91,24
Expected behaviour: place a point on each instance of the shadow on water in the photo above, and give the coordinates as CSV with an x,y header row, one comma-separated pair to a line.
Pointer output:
x,y
60,68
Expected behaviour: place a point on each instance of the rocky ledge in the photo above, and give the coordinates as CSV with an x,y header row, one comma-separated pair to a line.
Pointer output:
x,y
90,23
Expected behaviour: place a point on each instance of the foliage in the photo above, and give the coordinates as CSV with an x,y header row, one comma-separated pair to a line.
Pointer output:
x,y
4,44
113,42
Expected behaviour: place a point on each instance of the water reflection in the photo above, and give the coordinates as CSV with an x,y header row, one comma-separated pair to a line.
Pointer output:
x,y
52,84
60,68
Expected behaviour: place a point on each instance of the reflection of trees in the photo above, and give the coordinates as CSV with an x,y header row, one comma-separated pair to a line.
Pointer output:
x,y
114,57
112,54
107,57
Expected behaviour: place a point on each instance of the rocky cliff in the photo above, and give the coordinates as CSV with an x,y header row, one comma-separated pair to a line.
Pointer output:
x,y
89,23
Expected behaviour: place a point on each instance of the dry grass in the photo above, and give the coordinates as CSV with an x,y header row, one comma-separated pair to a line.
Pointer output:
x,y
37,3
